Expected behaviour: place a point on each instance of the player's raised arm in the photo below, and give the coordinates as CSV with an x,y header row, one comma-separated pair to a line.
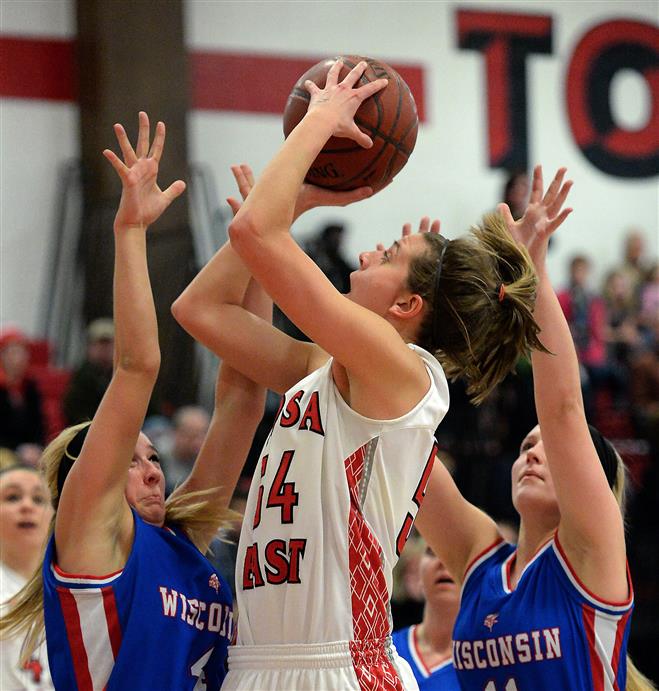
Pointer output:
x,y
93,516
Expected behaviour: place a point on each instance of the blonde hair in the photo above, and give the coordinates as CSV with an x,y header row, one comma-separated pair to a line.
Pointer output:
x,y
636,680
191,512
486,293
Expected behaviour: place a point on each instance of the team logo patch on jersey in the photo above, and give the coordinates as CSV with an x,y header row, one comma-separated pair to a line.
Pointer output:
x,y
214,582
490,620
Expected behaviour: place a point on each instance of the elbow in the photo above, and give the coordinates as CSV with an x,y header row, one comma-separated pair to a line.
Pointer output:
x,y
181,309
147,366
242,232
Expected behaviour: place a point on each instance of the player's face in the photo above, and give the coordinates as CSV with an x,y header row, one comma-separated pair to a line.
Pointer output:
x,y
145,489
438,586
382,273
532,485
25,510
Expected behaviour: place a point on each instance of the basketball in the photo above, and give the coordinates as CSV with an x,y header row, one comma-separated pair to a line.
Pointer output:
x,y
389,117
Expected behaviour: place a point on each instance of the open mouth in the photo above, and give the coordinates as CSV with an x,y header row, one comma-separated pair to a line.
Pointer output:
x,y
27,524
445,579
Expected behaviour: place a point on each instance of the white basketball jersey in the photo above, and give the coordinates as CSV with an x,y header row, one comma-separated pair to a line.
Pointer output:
x,y
330,507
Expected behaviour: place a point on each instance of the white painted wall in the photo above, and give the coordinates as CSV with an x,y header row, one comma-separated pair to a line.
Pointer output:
x,y
36,137
446,177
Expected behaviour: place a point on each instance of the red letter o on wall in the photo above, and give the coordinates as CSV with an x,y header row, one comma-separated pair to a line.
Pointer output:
x,y
601,53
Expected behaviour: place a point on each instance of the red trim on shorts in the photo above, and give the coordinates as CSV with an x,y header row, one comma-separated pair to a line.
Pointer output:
x,y
66,574
76,642
596,598
112,619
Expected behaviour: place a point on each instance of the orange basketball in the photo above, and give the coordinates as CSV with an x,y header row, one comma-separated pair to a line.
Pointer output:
x,y
389,117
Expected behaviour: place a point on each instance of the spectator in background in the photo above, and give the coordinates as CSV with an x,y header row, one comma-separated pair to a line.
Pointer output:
x,y
91,378
586,315
633,265
190,427
21,407
649,308
326,249
516,192
25,512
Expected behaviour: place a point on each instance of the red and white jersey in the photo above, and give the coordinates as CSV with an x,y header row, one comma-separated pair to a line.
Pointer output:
x,y
331,505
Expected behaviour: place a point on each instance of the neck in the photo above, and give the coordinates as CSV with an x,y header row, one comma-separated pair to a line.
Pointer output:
x,y
20,561
531,538
434,633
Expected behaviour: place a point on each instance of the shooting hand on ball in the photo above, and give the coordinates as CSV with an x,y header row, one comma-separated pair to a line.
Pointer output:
x,y
340,101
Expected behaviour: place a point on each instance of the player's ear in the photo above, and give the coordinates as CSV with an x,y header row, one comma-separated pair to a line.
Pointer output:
x,y
407,306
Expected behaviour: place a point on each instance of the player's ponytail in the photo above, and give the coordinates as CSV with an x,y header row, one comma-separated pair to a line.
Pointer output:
x,y
480,290
636,681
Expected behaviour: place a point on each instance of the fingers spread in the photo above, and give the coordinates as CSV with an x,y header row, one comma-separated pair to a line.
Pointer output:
x,y
555,186
333,73
158,142
371,88
311,87
555,207
354,75
424,224
407,229
174,190
142,148
504,210
234,204
125,145
362,139
536,186
435,226
117,164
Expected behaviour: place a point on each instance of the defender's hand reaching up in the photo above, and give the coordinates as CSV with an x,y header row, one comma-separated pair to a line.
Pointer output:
x,y
142,201
543,215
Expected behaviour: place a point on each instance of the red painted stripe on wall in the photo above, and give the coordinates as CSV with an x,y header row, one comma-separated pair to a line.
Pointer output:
x,y
38,68
243,82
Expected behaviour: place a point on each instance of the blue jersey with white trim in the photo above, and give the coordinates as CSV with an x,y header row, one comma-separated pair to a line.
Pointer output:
x,y
439,678
548,633
163,622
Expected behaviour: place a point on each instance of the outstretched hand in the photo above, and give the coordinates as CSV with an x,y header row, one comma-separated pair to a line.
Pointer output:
x,y
309,197
142,201
543,215
340,101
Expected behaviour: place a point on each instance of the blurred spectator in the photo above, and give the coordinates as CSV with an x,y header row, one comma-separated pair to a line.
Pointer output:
x,y
622,331
586,314
326,250
645,391
516,192
190,425
25,513
649,298
160,431
21,405
29,454
634,265
91,378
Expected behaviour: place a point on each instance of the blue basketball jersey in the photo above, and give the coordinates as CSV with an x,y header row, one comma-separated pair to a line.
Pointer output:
x,y
550,632
439,678
163,622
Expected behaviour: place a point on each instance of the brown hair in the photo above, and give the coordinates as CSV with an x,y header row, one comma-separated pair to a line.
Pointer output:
x,y
192,512
481,329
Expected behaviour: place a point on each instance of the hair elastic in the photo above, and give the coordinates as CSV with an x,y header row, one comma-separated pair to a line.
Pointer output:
x,y
606,453
502,292
435,315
